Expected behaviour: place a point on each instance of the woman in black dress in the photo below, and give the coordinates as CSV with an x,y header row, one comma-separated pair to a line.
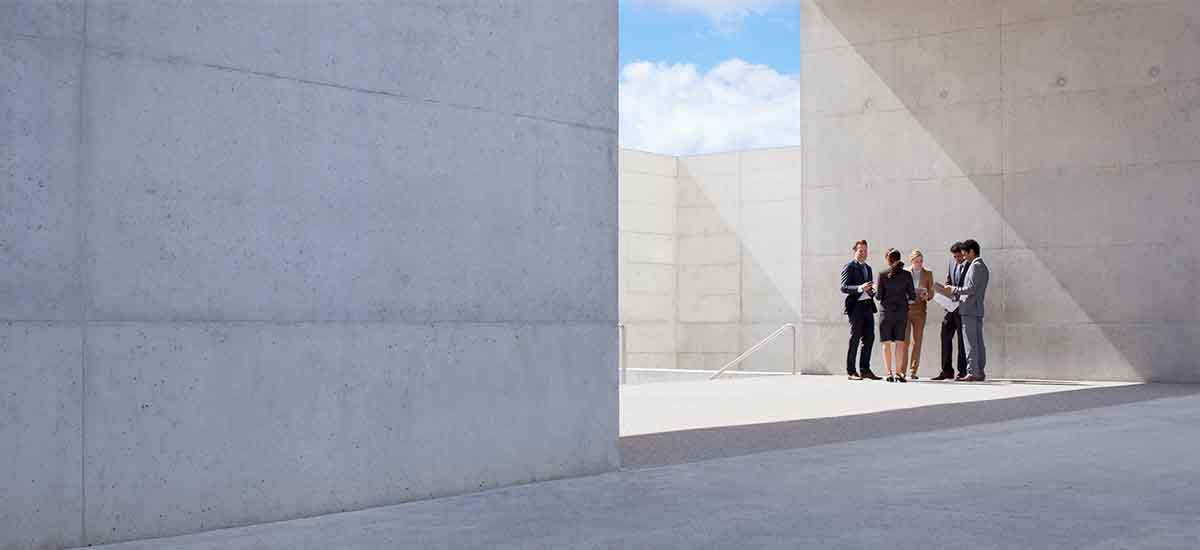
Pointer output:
x,y
894,292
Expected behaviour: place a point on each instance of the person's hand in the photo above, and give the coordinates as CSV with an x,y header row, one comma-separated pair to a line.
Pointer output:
x,y
868,286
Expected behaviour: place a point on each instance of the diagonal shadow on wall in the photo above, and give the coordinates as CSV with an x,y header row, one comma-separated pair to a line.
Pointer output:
x,y
1079,158
739,257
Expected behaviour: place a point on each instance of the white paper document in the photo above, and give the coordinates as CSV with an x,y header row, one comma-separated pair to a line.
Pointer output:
x,y
946,303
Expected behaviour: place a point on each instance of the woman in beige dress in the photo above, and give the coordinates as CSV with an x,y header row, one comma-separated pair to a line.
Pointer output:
x,y
915,332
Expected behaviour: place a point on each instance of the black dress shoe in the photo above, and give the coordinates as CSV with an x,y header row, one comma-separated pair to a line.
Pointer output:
x,y
942,376
868,375
854,377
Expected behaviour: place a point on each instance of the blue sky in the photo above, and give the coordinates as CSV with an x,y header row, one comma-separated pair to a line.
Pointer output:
x,y
657,32
706,76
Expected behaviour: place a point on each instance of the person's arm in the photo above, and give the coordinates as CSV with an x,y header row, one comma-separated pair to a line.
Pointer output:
x,y
910,291
928,288
848,288
880,288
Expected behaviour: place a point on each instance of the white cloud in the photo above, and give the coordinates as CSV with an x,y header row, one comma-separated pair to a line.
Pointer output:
x,y
673,109
725,14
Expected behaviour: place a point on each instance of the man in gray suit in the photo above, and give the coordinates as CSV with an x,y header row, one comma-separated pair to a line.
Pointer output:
x,y
972,294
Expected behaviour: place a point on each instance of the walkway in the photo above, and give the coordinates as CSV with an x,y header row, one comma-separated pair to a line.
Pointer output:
x,y
653,408
1116,477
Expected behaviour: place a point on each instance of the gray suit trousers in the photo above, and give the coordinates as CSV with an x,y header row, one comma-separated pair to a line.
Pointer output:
x,y
976,350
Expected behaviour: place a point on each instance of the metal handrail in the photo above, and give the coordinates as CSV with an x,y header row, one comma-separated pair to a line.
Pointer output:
x,y
759,346
621,361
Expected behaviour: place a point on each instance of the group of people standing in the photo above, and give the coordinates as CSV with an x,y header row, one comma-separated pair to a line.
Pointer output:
x,y
903,295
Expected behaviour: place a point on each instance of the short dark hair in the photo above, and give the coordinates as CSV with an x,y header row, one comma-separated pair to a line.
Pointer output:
x,y
972,245
956,248
858,242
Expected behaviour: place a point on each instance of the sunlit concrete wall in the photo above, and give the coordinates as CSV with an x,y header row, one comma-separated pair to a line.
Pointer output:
x,y
262,260
728,272
648,268
1064,136
739,256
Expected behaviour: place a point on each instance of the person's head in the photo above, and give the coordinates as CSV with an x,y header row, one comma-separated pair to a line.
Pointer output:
x,y
956,250
970,249
860,250
892,259
916,258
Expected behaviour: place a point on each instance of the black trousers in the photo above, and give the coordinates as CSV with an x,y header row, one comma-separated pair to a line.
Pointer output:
x,y
862,331
952,326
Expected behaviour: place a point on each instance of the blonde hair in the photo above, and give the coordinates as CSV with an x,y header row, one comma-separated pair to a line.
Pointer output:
x,y
916,252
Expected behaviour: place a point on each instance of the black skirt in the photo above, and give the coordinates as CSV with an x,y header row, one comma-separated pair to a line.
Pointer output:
x,y
892,330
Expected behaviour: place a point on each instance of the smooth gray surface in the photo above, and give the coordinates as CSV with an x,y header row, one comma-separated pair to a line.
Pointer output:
x,y
1103,478
39,188
309,419
300,257
537,59
40,453
1021,124
238,197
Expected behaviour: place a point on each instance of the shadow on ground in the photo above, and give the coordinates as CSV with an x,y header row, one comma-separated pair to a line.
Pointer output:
x,y
649,450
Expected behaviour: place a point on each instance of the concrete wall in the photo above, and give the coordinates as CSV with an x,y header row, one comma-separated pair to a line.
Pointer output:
x,y
1064,136
734,225
267,260
648,268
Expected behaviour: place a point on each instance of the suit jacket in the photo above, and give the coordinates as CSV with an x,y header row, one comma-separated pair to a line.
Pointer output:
x,y
926,283
974,287
852,278
954,273
894,294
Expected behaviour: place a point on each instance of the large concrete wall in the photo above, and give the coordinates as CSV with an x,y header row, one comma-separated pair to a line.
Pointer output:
x,y
739,240
648,268
711,260
1064,136
262,260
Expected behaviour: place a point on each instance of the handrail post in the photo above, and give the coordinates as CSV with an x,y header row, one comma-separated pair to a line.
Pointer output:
x,y
621,366
795,335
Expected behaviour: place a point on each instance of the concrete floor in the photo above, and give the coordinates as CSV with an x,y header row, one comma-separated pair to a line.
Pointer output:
x,y
1118,471
654,408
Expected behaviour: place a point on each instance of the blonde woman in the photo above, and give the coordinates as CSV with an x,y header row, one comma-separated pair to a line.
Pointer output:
x,y
915,333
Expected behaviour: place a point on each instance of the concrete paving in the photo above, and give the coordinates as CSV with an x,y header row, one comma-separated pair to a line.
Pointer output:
x,y
690,422
633,377
654,408
1120,476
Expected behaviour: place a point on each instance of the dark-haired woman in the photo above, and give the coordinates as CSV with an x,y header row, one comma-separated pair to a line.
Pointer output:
x,y
894,291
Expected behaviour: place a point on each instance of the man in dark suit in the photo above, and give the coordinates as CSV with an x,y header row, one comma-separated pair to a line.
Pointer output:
x,y
952,324
859,288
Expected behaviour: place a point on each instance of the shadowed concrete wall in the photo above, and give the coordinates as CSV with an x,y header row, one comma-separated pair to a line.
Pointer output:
x,y
1064,136
262,260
